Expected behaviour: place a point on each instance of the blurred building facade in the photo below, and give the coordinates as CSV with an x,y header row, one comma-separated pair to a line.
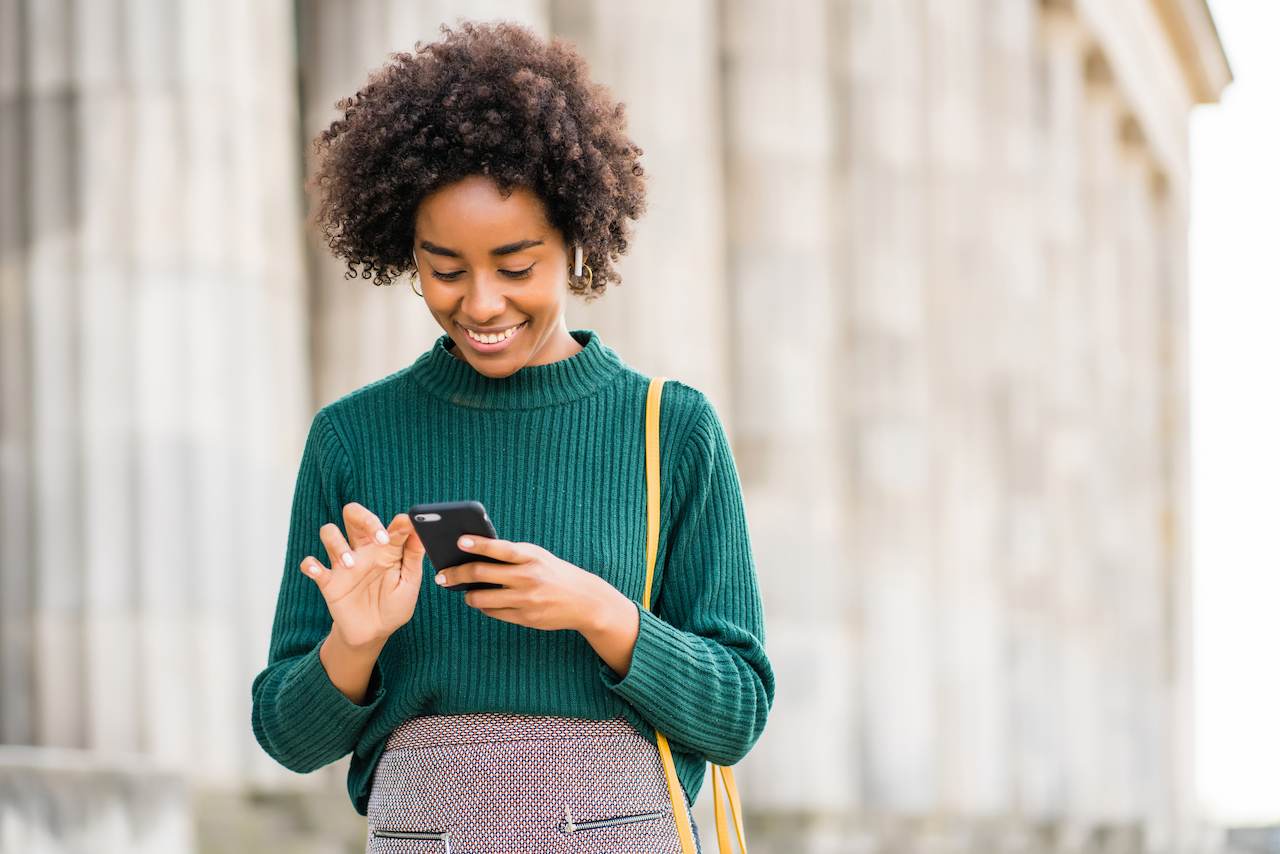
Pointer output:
x,y
928,257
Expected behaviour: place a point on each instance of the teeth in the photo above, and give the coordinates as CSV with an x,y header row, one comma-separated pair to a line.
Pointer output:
x,y
495,337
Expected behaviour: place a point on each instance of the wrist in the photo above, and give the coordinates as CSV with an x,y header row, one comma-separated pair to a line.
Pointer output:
x,y
613,629
609,610
350,669
366,649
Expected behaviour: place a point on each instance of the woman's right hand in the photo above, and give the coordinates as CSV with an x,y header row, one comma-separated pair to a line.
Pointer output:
x,y
377,592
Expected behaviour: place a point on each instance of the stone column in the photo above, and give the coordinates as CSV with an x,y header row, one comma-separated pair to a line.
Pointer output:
x,y
886,408
17,473
787,236
1015,111
965,309
1109,796
56,562
151,256
672,314
106,113
1149,618
163,370
248,404
1170,224
1067,442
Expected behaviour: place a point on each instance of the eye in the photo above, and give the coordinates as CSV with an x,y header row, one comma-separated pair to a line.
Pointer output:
x,y
517,274
446,277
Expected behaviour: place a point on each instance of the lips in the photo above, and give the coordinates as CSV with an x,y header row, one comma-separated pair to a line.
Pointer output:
x,y
482,347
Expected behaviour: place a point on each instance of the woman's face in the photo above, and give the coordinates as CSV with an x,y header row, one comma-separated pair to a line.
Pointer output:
x,y
497,267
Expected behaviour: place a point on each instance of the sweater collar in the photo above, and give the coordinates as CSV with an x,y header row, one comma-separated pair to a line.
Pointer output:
x,y
449,377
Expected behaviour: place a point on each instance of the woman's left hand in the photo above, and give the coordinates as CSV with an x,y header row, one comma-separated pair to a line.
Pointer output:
x,y
540,590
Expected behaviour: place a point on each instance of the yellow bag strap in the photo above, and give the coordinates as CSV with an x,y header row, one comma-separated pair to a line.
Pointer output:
x,y
653,502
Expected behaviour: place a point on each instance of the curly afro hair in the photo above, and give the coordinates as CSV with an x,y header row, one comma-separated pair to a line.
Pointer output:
x,y
488,99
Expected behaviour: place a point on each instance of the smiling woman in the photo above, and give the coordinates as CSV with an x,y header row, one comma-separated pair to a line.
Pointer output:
x,y
525,716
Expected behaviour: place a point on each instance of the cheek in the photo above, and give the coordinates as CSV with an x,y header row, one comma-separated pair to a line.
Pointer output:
x,y
441,315
547,293
435,304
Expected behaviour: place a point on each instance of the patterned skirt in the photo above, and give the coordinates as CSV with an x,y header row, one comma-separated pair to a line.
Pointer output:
x,y
498,783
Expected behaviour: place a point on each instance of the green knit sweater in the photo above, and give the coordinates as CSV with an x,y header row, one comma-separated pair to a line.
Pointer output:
x,y
556,454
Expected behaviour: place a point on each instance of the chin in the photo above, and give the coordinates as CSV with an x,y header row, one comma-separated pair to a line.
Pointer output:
x,y
493,368
493,371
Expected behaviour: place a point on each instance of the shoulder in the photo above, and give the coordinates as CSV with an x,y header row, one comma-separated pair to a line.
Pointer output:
x,y
695,450
373,394
682,405
685,407
690,429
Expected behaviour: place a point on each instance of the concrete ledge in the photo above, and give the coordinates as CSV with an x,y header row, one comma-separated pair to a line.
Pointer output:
x,y
56,799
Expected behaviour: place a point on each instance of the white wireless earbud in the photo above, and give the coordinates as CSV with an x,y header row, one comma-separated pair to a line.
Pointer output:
x,y
577,259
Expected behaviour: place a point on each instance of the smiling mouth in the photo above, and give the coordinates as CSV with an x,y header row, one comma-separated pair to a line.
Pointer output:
x,y
492,341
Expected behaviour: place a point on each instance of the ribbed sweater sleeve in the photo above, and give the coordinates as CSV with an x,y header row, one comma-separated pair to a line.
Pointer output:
x,y
699,673
300,717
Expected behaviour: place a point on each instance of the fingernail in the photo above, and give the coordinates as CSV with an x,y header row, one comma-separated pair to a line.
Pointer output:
x,y
439,578
312,569
382,537
348,559
466,542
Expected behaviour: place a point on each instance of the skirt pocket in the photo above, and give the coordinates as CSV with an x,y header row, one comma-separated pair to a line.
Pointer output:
x,y
621,827
388,840
572,825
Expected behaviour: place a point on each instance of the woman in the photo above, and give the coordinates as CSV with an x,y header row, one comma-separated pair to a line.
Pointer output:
x,y
509,718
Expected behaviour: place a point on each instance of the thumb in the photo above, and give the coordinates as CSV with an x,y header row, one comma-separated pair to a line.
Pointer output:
x,y
414,550
411,558
399,530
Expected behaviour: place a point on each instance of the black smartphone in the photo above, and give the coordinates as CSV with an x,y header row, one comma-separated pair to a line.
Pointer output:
x,y
440,524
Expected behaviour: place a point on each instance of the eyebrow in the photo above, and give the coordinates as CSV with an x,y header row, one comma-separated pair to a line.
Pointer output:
x,y
508,249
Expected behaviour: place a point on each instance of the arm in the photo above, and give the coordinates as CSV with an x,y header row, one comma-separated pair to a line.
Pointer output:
x,y
301,717
699,673
349,668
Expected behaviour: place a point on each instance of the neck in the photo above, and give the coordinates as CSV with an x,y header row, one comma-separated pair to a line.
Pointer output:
x,y
561,346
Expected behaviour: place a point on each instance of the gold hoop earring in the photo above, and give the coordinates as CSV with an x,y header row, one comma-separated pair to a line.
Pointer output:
x,y
589,275
417,270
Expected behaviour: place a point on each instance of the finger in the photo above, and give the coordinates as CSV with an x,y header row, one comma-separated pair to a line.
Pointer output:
x,y
336,545
475,571
316,571
503,550
507,615
494,599
363,524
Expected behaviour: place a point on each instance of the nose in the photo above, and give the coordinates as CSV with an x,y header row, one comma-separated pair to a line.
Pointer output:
x,y
484,299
